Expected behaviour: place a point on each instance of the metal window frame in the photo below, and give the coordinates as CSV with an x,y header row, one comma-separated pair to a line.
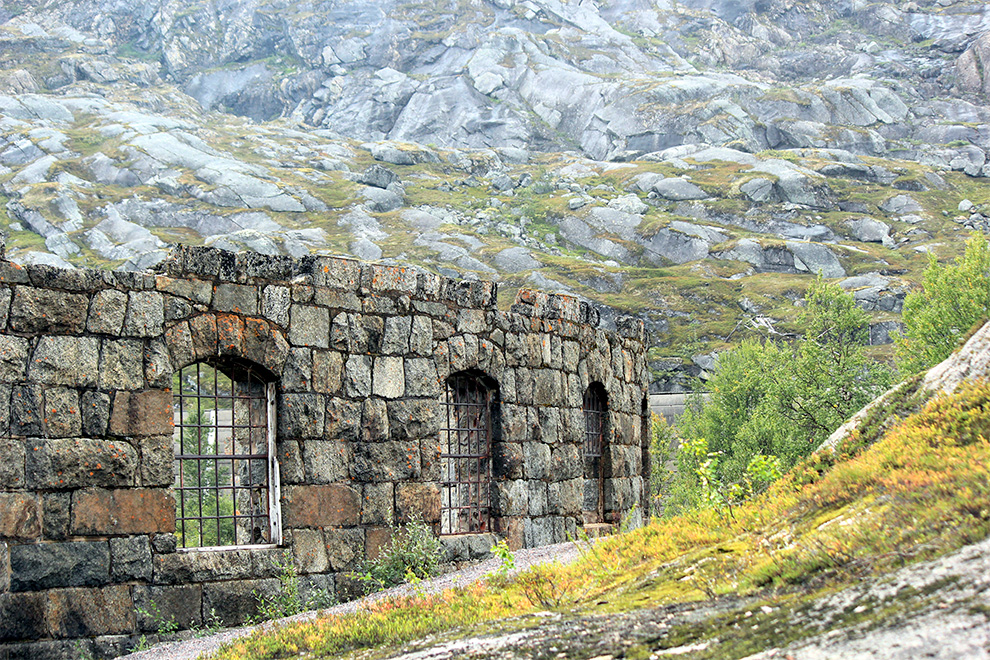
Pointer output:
x,y
595,409
465,456
227,491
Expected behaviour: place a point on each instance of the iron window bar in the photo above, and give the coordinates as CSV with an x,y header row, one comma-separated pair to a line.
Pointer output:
x,y
595,412
465,458
226,476
595,421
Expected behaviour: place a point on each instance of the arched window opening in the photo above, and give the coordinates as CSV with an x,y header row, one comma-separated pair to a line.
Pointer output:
x,y
595,427
226,476
465,455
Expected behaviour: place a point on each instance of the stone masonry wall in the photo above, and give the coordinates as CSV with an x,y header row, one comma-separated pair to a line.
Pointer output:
x,y
359,353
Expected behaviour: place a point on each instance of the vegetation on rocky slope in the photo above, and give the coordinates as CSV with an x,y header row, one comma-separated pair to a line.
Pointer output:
x,y
918,492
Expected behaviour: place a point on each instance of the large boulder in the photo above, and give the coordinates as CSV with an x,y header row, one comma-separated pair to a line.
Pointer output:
x,y
377,177
678,190
869,230
680,243
381,201
900,205
631,204
815,258
798,185
772,258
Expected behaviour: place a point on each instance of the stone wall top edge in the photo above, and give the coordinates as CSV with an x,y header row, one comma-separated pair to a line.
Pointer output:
x,y
542,304
84,280
335,272
221,266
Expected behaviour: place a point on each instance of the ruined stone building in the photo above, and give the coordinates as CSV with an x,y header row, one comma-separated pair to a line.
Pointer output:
x,y
165,436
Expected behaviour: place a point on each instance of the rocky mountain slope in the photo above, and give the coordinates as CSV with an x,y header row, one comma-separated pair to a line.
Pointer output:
x,y
694,162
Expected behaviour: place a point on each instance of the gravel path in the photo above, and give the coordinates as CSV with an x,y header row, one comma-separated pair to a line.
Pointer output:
x,y
193,648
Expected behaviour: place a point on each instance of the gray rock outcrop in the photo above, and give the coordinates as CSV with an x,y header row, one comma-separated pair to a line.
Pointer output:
x,y
678,190
682,242
869,230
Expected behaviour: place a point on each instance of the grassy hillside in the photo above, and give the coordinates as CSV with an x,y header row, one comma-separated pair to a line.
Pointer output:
x,y
919,491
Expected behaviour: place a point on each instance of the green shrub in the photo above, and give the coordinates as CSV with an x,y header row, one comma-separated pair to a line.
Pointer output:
x,y
507,561
769,404
952,299
413,551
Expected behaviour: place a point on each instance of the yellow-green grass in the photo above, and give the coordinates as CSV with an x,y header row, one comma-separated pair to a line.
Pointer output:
x,y
920,491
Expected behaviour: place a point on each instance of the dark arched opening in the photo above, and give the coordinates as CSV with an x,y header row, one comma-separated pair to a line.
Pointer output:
x,y
469,430
595,446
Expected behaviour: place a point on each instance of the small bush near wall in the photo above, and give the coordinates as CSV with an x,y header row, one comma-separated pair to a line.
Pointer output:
x,y
414,552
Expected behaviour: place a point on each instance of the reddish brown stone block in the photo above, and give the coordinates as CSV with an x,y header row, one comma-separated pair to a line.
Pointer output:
x,y
421,501
130,511
257,334
264,343
20,515
375,538
81,463
142,413
321,506
230,335
178,338
203,330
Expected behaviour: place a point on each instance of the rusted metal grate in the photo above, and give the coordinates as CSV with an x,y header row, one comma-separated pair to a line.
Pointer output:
x,y
465,458
595,420
224,457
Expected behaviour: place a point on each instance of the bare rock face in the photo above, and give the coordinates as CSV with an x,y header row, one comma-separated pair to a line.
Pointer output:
x,y
973,67
970,362
476,78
